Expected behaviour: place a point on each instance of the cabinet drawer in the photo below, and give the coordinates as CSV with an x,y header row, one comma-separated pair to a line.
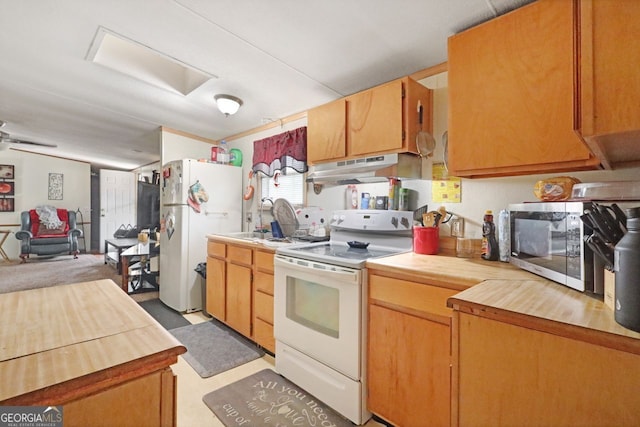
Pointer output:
x,y
263,335
264,261
411,295
216,249
263,307
239,255
264,282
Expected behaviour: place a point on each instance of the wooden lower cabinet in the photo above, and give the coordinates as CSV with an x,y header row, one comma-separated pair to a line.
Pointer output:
x,y
240,289
153,394
238,305
263,300
215,304
510,375
409,352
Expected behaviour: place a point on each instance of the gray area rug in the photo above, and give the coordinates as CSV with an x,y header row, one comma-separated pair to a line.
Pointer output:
x,y
166,316
266,398
213,348
41,272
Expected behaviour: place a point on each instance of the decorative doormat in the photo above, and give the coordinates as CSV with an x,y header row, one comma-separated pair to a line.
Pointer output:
x,y
166,316
268,399
213,347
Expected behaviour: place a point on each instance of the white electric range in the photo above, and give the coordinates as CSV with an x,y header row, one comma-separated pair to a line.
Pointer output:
x,y
320,299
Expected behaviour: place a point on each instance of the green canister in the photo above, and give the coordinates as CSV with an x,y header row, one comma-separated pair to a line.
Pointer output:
x,y
403,204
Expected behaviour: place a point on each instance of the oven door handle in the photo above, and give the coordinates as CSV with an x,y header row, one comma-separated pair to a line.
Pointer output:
x,y
308,266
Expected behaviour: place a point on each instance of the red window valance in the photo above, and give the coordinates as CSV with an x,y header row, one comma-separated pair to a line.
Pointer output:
x,y
288,149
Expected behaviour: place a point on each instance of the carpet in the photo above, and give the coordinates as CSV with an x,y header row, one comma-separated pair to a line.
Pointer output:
x,y
41,272
213,347
166,316
266,398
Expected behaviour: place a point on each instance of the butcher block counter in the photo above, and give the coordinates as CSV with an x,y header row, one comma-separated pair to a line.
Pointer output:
x,y
90,348
447,271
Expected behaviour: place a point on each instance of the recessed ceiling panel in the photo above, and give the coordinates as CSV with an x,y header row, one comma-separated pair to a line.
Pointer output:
x,y
142,62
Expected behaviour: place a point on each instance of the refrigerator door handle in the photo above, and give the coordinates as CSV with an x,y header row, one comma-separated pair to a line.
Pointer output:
x,y
216,213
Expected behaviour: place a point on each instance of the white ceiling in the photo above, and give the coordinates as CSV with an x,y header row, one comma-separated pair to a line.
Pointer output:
x,y
280,57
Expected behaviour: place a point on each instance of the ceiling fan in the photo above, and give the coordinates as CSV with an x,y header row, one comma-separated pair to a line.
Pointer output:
x,y
6,140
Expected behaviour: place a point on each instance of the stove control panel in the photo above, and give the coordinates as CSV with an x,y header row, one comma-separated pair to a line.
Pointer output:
x,y
372,220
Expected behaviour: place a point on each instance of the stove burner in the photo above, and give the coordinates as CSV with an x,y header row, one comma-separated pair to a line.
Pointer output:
x,y
343,251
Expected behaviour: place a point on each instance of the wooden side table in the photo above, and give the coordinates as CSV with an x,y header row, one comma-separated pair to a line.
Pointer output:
x,y
3,254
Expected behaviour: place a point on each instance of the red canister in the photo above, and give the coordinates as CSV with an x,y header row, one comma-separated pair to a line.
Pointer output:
x,y
426,240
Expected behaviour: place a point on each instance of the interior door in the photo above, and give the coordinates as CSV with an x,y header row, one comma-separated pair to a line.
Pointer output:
x,y
117,201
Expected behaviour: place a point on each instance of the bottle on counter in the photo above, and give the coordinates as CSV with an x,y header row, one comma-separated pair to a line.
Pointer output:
x,y
490,250
627,270
504,238
403,202
223,153
364,201
351,197
394,186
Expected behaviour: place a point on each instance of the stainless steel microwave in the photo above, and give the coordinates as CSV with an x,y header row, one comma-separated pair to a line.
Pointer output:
x,y
547,239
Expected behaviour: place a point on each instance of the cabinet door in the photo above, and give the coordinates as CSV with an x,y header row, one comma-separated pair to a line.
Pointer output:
x,y
375,120
326,132
511,94
610,87
264,261
238,309
514,376
215,282
408,369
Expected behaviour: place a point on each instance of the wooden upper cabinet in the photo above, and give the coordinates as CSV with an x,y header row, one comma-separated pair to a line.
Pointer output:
x,y
511,94
375,119
326,131
380,120
609,90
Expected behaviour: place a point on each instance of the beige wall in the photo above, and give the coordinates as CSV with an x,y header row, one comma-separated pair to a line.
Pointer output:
x,y
31,189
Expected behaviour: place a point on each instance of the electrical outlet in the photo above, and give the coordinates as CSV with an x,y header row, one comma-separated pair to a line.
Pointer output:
x,y
457,227
249,217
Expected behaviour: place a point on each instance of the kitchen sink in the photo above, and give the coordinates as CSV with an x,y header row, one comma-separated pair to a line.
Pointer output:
x,y
245,235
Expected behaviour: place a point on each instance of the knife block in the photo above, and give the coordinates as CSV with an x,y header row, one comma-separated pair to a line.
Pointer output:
x,y
610,289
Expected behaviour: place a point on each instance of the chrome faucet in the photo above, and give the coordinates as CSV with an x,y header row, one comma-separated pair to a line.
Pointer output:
x,y
264,199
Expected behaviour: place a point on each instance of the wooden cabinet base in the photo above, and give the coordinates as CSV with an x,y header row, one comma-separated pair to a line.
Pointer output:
x,y
146,401
509,375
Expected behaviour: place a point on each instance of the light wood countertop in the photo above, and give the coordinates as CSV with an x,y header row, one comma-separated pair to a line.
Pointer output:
x,y
64,340
548,307
446,271
253,244
501,291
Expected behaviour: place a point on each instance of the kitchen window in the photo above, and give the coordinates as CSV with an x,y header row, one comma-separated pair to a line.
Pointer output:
x,y
290,187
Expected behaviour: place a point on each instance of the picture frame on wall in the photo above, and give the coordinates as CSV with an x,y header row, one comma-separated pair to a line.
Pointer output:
x,y
7,205
7,188
56,181
7,172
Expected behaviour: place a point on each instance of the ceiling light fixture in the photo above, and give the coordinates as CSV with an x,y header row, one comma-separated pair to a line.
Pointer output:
x,y
228,104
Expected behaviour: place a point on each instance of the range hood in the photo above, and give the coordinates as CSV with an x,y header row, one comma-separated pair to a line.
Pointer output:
x,y
367,169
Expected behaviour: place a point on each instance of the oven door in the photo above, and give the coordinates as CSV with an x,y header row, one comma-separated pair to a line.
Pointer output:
x,y
318,311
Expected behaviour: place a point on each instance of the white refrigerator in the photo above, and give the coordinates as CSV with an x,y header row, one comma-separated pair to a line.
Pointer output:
x,y
198,198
